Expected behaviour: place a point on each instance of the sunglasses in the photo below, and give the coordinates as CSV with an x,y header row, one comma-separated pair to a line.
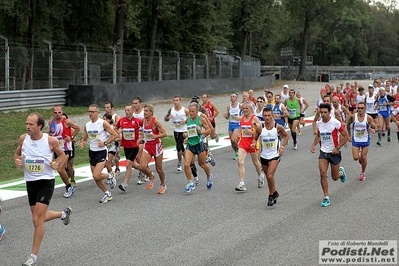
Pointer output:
x,y
57,112
260,101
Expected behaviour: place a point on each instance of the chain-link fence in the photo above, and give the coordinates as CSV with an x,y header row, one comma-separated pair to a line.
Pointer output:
x,y
24,68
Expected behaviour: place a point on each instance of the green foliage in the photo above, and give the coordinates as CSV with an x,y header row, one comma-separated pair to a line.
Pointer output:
x,y
341,32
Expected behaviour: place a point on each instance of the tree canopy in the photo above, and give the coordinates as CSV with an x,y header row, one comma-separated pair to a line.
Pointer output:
x,y
333,32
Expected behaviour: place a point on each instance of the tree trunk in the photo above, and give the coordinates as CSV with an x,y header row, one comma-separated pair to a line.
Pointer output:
x,y
304,53
154,27
119,36
31,37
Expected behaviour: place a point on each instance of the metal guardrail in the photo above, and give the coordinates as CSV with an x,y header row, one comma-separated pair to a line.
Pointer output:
x,y
25,99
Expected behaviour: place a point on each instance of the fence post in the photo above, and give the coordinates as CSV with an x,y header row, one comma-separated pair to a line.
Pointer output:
x,y
50,63
114,58
160,65
177,65
239,67
85,60
138,65
7,62
194,65
206,66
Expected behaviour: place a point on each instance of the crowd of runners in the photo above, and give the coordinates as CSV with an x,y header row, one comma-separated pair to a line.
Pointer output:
x,y
257,126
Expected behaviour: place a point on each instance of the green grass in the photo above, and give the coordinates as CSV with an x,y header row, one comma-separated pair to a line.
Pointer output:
x,y
13,126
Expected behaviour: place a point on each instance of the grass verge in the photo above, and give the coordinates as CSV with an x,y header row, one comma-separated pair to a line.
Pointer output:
x,y
13,125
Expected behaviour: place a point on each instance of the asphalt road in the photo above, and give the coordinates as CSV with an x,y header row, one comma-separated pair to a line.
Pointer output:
x,y
217,226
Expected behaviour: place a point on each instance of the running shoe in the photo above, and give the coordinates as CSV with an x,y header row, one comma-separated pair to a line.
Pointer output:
x,y
107,197
379,142
179,167
212,159
162,189
208,159
275,196
30,262
296,145
343,177
189,187
123,187
73,182
196,181
69,192
117,171
383,133
325,202
68,212
146,179
270,200
112,180
2,231
261,180
140,178
241,187
299,133
389,138
150,185
209,182
217,138
362,177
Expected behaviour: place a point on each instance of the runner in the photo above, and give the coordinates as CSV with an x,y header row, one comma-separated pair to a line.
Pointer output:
x,y
332,136
384,103
138,112
179,115
110,109
95,131
196,126
305,106
250,128
361,136
233,115
271,151
293,106
35,155
61,128
129,126
152,134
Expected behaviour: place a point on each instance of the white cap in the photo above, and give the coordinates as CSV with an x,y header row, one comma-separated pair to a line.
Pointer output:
x,y
382,89
286,86
371,86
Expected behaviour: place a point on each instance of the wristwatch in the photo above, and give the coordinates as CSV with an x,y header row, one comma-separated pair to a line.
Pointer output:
x,y
105,143
72,137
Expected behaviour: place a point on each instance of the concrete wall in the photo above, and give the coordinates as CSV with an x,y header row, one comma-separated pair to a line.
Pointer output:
x,y
84,95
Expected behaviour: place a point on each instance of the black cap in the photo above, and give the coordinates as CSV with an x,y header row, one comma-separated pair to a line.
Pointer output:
x,y
195,97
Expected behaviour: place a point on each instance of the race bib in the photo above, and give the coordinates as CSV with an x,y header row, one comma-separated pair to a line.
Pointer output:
x,y
34,165
244,129
177,124
291,112
360,132
192,131
93,135
383,108
60,141
326,137
269,143
128,133
147,134
234,117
